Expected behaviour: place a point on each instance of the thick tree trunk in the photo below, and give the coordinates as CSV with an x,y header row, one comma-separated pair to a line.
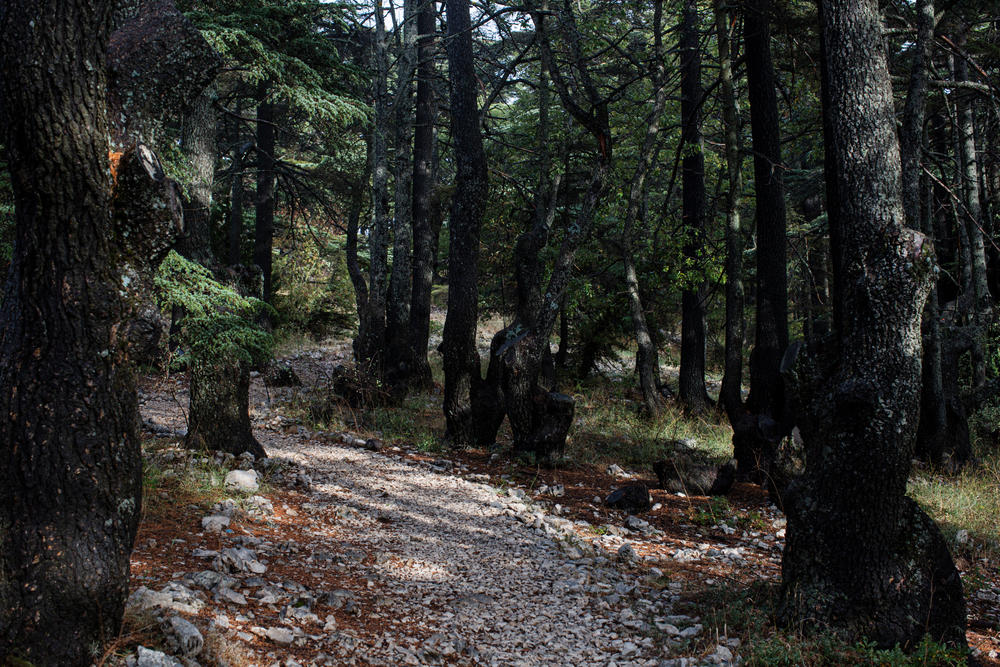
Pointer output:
x,y
198,144
219,416
757,433
397,315
424,238
264,229
462,373
731,393
369,347
70,469
692,393
861,558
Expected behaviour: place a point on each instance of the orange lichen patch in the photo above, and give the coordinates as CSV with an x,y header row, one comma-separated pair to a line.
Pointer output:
x,y
114,160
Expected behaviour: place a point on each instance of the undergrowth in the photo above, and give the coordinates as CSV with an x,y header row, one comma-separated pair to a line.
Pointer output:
x,y
750,614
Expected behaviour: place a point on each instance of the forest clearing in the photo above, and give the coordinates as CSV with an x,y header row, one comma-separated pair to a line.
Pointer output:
x,y
563,332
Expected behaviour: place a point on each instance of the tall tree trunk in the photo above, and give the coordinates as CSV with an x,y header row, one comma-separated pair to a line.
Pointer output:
x,y
861,557
462,373
234,226
647,359
541,418
731,394
973,218
692,392
424,239
70,469
397,315
198,144
264,229
755,435
369,347
933,423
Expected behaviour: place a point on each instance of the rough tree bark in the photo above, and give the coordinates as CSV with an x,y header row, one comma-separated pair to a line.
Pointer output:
x,y
462,373
263,236
198,144
397,315
647,360
369,345
70,469
539,417
691,388
972,195
861,558
758,430
731,393
219,414
933,425
423,193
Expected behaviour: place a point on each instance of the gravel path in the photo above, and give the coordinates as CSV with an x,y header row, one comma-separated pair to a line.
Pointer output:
x,y
453,561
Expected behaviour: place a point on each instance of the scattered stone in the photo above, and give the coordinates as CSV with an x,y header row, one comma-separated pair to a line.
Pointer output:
x,y
183,637
259,506
630,498
174,596
242,480
239,559
215,523
231,596
627,554
616,471
282,636
145,657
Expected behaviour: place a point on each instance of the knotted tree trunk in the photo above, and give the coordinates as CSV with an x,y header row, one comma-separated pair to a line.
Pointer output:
x,y
862,558
70,469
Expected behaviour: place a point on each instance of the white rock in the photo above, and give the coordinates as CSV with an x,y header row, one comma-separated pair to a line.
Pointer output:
x,y
281,636
185,637
242,480
215,523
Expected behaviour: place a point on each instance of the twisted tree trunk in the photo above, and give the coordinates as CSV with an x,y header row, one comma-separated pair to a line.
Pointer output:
x,y
861,557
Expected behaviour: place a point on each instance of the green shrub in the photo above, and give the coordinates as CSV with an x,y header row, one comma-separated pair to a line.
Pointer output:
x,y
218,323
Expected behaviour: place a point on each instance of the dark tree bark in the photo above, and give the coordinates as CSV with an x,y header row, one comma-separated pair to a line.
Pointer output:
x,y
397,315
539,417
647,360
933,425
731,393
234,226
757,432
861,558
462,373
424,238
691,389
70,482
219,417
198,144
264,206
973,218
369,346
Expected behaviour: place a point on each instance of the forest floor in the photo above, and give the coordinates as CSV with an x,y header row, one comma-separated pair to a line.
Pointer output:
x,y
364,547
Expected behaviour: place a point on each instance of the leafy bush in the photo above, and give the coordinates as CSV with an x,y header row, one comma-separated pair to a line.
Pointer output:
x,y
313,292
218,322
